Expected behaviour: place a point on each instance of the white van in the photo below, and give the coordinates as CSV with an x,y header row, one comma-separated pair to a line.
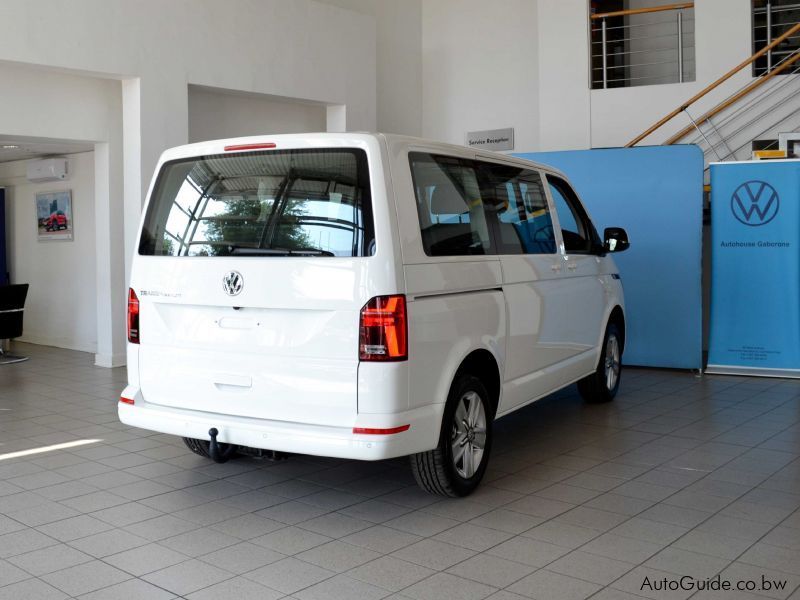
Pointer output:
x,y
364,296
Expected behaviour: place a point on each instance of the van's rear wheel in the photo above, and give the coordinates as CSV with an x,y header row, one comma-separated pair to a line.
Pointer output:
x,y
200,447
456,466
602,385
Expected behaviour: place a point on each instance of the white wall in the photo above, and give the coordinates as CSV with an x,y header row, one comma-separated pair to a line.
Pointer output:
x,y
563,67
60,105
398,61
574,117
62,298
480,69
525,64
300,49
148,52
215,114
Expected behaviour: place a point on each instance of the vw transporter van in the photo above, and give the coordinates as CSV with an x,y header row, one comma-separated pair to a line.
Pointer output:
x,y
364,296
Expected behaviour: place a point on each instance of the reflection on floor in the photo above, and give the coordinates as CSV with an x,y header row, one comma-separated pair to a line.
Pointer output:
x,y
680,476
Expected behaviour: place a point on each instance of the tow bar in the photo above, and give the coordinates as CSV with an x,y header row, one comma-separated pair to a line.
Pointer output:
x,y
214,451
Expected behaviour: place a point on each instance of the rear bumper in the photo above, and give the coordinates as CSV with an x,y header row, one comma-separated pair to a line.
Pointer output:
x,y
298,438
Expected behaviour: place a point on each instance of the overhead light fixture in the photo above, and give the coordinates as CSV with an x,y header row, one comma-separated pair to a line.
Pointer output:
x,y
9,147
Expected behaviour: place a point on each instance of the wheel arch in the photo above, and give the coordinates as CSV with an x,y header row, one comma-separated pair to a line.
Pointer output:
x,y
482,364
617,316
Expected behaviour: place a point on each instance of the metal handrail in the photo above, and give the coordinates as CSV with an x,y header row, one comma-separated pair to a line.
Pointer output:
x,y
642,11
626,30
702,93
778,9
632,25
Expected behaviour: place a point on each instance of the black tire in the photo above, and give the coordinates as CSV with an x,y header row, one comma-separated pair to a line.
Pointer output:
x,y
436,471
200,447
597,387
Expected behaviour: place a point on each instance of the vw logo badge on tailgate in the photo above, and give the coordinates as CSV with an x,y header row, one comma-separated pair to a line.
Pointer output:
x,y
233,283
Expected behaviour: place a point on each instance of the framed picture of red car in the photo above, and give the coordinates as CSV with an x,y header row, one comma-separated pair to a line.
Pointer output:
x,y
54,215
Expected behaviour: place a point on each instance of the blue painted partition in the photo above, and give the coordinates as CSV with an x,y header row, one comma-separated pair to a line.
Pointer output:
x,y
656,194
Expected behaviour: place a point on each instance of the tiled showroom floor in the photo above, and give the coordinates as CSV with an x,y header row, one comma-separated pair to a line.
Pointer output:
x,y
680,476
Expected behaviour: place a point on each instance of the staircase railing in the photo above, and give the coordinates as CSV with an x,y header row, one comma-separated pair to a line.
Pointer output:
x,y
744,118
695,123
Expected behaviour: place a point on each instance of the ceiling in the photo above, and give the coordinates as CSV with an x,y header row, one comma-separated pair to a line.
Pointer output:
x,y
25,148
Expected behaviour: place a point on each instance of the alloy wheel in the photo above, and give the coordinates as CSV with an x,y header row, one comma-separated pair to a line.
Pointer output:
x,y
612,364
468,438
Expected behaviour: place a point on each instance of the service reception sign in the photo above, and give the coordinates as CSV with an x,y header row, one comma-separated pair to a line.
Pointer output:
x,y
755,268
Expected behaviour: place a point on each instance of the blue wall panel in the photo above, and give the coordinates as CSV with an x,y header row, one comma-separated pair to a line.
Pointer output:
x,y
656,194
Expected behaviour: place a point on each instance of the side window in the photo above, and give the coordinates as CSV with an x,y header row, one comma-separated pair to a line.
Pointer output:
x,y
576,228
523,224
450,206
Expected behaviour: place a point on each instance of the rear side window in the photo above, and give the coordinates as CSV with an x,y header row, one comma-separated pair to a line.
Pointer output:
x,y
450,206
523,222
276,203
469,207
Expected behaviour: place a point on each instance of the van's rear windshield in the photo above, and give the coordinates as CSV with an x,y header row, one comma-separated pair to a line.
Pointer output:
x,y
275,203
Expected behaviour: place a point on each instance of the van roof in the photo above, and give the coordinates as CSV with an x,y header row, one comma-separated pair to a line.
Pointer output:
x,y
338,139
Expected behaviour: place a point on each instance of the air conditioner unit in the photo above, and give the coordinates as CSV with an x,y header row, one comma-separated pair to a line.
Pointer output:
x,y
49,169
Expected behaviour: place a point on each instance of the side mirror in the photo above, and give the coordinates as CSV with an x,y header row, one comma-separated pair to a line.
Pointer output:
x,y
615,239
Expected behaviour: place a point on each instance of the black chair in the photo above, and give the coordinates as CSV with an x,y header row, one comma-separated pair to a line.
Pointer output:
x,y
12,307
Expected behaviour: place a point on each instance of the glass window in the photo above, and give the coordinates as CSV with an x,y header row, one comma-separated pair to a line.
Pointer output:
x,y
638,48
450,206
523,222
577,230
277,203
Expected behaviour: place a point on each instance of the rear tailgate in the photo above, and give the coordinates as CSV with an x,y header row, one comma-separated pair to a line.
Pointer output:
x,y
285,348
307,235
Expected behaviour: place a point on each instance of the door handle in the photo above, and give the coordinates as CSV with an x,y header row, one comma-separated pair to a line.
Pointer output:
x,y
555,268
572,266
229,380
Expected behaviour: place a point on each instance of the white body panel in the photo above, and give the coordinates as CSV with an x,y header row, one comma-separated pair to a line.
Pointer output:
x,y
277,366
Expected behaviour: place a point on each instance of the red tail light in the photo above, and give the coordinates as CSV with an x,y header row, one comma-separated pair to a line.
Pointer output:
x,y
125,400
384,329
133,317
264,146
389,431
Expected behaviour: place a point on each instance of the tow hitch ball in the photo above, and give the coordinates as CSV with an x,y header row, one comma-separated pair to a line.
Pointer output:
x,y
214,451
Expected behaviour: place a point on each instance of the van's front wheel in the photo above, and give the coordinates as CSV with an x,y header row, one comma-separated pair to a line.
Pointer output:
x,y
456,466
602,385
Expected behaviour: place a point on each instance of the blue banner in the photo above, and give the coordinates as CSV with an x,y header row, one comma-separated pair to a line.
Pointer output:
x,y
656,194
755,273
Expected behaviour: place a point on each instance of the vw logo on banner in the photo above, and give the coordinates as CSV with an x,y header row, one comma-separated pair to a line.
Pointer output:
x,y
233,283
755,203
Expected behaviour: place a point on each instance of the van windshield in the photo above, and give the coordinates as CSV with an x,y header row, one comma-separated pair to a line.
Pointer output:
x,y
275,203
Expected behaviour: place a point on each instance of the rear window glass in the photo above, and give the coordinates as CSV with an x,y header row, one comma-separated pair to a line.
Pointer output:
x,y
450,206
276,203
